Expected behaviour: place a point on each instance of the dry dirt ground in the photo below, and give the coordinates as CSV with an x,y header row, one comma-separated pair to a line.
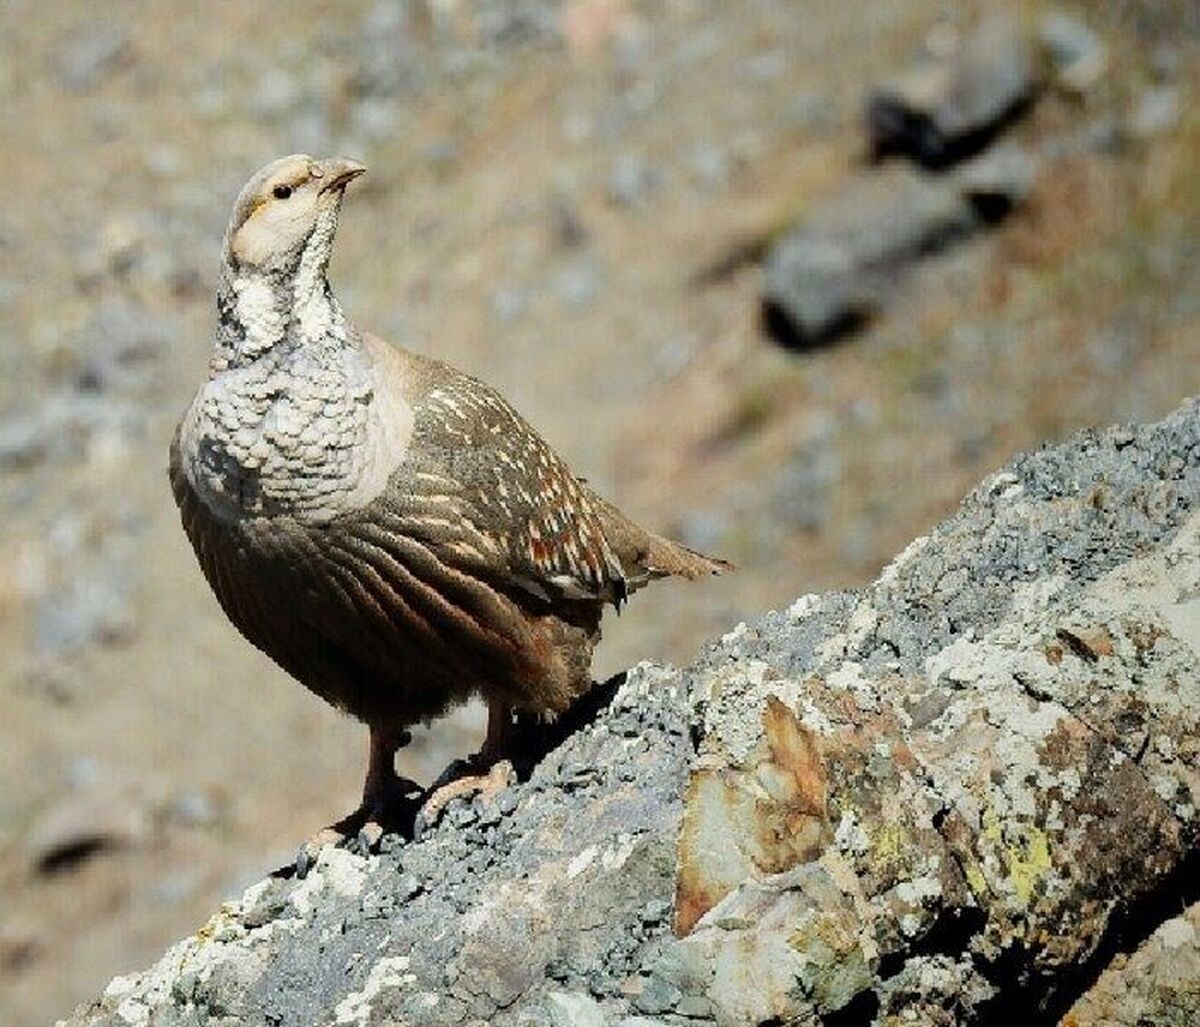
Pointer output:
x,y
547,184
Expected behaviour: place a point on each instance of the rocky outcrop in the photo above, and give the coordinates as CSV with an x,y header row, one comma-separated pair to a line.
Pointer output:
x,y
968,790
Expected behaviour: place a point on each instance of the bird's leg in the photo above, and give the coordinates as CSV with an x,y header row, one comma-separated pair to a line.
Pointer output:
x,y
383,787
494,772
388,803
499,732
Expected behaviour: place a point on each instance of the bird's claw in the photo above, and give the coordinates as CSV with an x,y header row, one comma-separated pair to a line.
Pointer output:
x,y
498,777
392,811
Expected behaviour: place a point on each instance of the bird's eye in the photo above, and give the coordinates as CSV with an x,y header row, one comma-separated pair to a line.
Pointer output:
x,y
281,192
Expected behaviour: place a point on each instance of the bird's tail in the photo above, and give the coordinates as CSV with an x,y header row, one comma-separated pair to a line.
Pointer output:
x,y
665,557
644,555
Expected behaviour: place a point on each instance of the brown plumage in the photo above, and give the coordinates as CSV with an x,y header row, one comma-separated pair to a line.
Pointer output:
x,y
387,529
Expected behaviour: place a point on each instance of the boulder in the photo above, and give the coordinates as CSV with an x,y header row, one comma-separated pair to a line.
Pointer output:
x,y
836,269
968,789
942,110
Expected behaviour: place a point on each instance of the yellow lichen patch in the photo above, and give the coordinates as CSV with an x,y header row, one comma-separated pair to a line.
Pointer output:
x,y
975,879
1028,861
889,845
1024,849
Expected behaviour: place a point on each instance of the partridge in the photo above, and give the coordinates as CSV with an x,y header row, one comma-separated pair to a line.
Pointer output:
x,y
389,530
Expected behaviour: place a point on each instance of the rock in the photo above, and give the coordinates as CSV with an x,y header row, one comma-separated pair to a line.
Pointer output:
x,y
839,267
998,180
968,788
944,110
20,947
567,228
574,1010
79,827
1158,984
85,56
1078,55
24,441
1156,112
835,270
512,24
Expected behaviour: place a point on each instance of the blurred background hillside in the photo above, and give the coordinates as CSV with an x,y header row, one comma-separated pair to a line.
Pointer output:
x,y
635,220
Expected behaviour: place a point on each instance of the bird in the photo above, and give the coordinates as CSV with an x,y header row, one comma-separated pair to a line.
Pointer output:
x,y
387,529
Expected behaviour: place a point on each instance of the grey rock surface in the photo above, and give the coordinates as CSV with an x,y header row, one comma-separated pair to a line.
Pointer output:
x,y
998,180
968,788
1077,55
940,111
838,267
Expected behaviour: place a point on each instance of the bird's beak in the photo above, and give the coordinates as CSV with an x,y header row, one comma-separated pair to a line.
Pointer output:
x,y
337,172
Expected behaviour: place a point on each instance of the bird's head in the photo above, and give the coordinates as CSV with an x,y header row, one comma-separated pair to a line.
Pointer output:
x,y
288,209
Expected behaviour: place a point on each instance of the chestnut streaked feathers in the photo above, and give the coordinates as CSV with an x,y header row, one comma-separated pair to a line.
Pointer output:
x,y
387,529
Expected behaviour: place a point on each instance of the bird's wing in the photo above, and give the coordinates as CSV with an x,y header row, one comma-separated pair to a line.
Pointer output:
x,y
508,507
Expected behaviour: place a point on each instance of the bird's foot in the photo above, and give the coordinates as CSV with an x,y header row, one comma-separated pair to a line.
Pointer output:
x,y
389,809
457,784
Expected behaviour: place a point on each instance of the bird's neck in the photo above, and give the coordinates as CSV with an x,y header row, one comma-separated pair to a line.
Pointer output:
x,y
272,314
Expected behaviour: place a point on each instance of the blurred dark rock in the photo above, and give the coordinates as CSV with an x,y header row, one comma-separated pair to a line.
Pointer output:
x,y
567,228
998,180
1166,61
940,112
83,57
20,947
502,24
79,827
834,272
969,788
839,267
